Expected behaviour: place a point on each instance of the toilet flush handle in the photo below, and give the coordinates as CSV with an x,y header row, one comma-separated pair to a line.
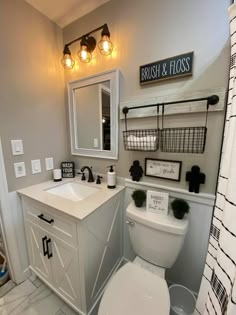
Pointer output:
x,y
130,222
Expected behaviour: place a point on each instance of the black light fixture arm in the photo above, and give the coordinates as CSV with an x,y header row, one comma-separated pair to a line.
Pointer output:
x,y
211,100
87,34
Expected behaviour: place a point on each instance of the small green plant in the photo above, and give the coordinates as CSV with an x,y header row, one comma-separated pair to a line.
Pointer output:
x,y
179,207
139,196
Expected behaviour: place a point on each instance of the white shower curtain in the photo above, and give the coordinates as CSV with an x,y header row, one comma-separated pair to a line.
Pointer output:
x,y
218,287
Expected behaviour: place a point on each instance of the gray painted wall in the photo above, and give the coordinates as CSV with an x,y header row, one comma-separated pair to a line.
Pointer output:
x,y
32,105
146,31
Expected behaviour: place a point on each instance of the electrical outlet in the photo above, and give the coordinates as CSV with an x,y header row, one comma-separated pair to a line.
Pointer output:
x,y
36,166
19,169
49,164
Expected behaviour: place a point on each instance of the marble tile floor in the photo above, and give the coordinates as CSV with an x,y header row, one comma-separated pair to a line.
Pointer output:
x,y
32,297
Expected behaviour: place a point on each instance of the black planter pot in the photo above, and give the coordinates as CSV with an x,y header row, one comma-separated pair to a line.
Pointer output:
x,y
179,214
138,203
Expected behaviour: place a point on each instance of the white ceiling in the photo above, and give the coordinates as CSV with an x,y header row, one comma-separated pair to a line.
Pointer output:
x,y
63,12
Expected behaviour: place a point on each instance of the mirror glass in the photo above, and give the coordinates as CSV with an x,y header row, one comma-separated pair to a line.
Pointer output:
x,y
93,113
93,105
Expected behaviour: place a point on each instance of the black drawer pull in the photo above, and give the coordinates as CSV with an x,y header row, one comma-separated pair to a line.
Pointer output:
x,y
45,250
41,217
49,242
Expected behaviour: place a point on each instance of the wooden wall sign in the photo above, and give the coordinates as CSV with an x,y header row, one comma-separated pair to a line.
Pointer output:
x,y
68,169
165,169
173,67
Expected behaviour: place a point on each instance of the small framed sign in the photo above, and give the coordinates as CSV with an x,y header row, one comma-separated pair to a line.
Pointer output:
x,y
68,169
165,169
157,202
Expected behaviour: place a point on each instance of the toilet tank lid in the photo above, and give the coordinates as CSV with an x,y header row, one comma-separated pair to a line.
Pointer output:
x,y
167,223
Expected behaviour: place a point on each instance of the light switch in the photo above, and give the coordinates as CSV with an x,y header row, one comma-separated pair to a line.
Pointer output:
x,y
17,147
95,142
19,169
36,166
49,164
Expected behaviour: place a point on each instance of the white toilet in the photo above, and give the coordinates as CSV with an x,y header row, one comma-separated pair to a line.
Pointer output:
x,y
140,287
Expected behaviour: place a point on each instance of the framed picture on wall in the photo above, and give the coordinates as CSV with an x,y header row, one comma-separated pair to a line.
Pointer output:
x,y
165,169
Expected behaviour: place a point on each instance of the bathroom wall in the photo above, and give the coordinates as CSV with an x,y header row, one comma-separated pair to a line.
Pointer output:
x,y
32,108
32,105
146,31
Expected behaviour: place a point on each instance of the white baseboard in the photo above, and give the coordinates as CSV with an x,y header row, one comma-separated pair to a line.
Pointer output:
x,y
27,273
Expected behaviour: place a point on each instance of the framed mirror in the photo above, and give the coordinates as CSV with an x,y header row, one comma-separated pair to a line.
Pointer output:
x,y
93,115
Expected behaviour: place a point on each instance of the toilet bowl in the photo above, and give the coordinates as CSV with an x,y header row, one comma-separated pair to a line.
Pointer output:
x,y
139,287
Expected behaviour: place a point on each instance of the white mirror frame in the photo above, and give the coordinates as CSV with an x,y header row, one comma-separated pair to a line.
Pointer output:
x,y
113,77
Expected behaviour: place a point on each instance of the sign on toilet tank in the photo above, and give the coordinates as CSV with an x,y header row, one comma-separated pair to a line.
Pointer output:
x,y
157,202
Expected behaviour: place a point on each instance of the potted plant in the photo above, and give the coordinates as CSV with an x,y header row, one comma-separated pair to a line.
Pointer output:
x,y
179,207
139,197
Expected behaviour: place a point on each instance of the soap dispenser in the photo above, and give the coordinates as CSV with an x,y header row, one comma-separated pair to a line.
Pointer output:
x,y
111,177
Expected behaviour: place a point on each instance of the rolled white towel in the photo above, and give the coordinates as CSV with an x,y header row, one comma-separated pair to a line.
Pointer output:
x,y
146,142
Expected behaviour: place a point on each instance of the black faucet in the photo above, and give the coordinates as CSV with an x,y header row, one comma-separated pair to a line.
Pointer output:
x,y
90,178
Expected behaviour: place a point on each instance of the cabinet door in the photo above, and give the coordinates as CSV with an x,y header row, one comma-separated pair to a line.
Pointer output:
x,y
65,270
37,238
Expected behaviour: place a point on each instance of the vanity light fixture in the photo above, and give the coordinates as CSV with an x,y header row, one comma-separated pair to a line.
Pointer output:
x,y
87,46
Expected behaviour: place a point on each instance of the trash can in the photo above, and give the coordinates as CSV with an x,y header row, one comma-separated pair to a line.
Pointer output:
x,y
182,300
4,274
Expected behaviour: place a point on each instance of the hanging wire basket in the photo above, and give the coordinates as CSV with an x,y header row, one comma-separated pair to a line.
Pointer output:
x,y
183,140
141,140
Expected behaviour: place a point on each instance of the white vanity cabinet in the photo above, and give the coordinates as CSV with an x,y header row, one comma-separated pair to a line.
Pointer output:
x,y
74,257
40,262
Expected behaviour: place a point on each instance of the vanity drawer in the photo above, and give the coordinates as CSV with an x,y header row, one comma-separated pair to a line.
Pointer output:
x,y
51,220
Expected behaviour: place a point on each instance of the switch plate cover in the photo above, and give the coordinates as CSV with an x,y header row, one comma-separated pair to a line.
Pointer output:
x,y
36,166
17,147
49,164
95,142
19,169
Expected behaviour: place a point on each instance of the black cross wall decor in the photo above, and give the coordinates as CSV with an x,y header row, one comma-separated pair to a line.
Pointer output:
x,y
195,178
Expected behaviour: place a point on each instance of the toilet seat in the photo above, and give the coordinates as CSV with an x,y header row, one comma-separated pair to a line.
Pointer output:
x,y
135,291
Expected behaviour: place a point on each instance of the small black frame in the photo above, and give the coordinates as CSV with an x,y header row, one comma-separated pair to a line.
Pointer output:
x,y
68,169
165,169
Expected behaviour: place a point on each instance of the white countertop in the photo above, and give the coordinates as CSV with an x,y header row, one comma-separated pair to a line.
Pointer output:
x,y
77,209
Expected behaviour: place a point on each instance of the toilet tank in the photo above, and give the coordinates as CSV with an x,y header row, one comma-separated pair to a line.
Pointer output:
x,y
156,238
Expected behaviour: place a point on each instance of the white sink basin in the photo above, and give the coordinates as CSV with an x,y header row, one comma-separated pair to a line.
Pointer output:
x,y
73,191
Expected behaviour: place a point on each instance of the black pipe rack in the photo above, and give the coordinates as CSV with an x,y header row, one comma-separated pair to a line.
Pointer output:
x,y
175,140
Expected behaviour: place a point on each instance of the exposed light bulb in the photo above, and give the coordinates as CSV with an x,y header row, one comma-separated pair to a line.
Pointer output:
x,y
84,54
105,45
67,62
